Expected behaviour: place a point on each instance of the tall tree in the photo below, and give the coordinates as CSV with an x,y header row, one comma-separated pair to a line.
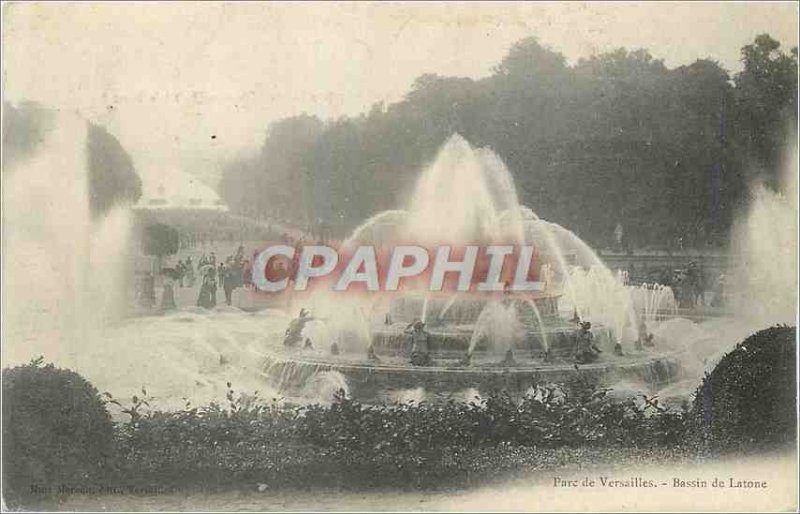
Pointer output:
x,y
766,102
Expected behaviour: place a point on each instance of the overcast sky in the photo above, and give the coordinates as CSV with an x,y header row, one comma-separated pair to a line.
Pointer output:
x,y
165,78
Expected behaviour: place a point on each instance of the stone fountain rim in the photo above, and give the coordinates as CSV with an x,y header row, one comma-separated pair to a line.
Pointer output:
x,y
498,370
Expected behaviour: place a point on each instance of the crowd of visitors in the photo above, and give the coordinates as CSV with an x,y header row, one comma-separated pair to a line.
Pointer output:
x,y
211,273
228,275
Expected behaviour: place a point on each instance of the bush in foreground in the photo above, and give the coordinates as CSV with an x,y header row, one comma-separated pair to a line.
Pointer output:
x,y
56,429
749,399
401,444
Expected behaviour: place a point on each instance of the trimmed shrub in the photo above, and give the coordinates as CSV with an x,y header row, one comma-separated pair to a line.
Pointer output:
x,y
56,430
749,400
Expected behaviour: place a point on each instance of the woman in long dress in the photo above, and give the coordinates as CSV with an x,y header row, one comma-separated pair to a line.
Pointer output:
x,y
208,290
168,294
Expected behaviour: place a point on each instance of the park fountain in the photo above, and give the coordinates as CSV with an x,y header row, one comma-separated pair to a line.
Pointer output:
x,y
466,194
478,340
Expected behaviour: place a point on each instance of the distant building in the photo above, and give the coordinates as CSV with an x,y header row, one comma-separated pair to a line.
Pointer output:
x,y
178,190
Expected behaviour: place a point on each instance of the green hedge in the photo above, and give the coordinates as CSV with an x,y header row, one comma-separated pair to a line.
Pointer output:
x,y
379,444
56,430
749,399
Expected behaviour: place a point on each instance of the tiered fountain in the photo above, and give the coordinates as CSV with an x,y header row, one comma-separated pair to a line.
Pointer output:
x,y
478,341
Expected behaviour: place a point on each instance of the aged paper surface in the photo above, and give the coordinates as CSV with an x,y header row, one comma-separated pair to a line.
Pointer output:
x,y
440,256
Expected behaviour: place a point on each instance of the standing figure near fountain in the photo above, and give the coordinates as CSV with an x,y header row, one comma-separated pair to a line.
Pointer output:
x,y
147,292
294,332
168,292
693,280
180,271
585,349
247,275
687,284
221,272
719,292
230,276
699,285
420,344
189,272
208,290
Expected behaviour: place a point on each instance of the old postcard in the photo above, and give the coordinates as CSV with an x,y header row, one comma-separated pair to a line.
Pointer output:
x,y
410,256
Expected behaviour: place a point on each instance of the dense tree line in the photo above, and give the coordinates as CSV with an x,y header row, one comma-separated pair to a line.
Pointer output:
x,y
617,138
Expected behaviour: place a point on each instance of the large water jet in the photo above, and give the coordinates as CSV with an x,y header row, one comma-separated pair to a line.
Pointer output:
x,y
763,288
467,196
64,262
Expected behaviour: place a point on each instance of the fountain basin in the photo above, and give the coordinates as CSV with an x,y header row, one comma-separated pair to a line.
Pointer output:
x,y
558,337
369,381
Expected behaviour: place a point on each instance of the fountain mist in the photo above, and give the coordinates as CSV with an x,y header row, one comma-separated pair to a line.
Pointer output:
x,y
764,251
497,325
62,270
468,195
